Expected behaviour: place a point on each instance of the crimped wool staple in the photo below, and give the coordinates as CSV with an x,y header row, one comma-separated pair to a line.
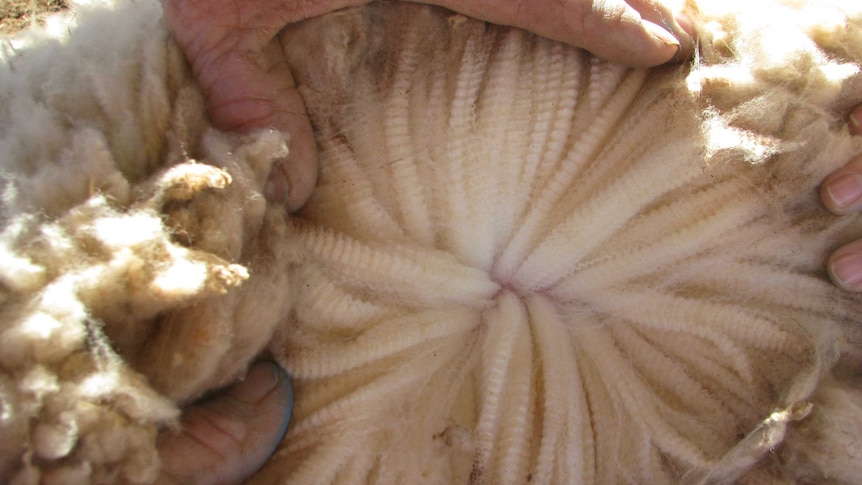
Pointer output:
x,y
521,263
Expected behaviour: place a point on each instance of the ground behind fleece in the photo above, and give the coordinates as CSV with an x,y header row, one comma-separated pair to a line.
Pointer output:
x,y
18,14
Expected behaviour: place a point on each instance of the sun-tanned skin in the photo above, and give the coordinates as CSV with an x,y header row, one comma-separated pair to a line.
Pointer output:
x,y
239,63
236,57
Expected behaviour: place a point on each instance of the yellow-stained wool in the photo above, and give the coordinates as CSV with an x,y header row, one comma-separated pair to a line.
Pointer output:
x,y
521,264
130,229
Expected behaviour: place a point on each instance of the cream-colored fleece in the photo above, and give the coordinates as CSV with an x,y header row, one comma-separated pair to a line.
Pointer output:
x,y
130,231
521,264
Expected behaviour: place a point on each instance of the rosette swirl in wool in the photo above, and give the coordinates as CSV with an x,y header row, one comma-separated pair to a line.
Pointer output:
x,y
525,264
521,264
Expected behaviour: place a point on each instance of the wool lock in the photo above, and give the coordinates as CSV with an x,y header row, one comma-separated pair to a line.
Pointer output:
x,y
520,264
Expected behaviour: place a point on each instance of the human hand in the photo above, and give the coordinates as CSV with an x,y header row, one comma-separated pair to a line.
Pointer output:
x,y
234,53
240,65
228,437
235,56
841,193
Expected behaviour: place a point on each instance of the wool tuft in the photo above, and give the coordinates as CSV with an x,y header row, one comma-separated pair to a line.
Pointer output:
x,y
130,230
521,263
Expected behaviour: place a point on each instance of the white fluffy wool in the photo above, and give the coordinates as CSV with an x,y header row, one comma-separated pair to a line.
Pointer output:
x,y
129,225
521,264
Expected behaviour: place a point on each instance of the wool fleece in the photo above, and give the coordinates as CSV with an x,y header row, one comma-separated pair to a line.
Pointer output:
x,y
521,263
130,231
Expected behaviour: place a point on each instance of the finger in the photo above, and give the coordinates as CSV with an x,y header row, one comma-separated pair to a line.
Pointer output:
x,y
841,192
680,26
845,267
611,29
233,54
226,439
856,121
248,91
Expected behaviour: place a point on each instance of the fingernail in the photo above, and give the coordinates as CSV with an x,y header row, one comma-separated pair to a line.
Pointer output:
x,y
847,270
684,22
260,380
277,187
661,34
845,190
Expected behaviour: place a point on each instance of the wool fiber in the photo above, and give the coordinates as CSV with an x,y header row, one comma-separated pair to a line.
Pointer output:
x,y
521,263
130,231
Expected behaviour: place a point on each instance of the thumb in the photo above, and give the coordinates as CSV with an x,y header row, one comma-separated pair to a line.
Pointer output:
x,y
637,33
229,437
255,90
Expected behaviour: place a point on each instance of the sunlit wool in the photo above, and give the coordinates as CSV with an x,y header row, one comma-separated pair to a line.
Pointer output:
x,y
130,230
528,265
521,264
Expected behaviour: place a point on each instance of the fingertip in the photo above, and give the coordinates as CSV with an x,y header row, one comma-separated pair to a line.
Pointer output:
x,y
841,192
662,35
685,23
293,179
302,172
855,121
259,382
677,33
228,437
280,401
686,35
268,385
287,406
845,267
672,32
643,43
649,47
